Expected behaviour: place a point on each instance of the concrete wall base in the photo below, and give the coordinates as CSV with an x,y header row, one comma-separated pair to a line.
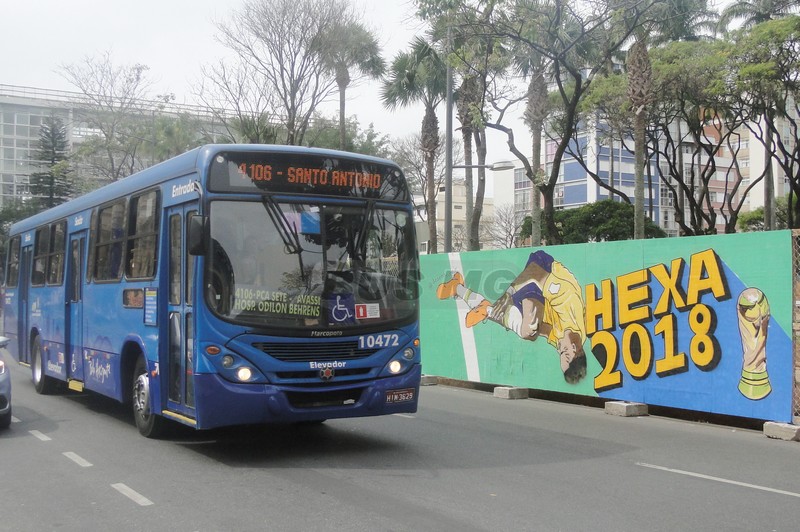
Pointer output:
x,y
429,380
507,392
782,431
625,409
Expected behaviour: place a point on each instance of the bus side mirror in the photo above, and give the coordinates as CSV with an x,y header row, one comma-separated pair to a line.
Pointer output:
x,y
196,241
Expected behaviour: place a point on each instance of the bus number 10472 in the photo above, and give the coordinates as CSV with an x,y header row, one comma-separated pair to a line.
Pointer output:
x,y
378,340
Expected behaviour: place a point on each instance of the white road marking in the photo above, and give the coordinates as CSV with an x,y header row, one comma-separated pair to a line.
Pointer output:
x,y
14,420
77,459
404,415
718,479
467,335
139,499
39,435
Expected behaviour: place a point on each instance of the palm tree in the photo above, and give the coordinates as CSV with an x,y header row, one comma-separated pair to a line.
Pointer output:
x,y
351,48
752,12
665,21
420,76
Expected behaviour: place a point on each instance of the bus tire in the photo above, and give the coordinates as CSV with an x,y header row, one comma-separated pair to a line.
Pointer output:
x,y
42,383
150,425
5,420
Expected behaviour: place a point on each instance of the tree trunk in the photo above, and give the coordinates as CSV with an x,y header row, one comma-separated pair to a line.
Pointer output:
x,y
639,122
429,144
475,220
769,190
342,129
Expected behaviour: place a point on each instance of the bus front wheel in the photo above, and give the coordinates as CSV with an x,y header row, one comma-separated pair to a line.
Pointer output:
x,y
150,425
43,384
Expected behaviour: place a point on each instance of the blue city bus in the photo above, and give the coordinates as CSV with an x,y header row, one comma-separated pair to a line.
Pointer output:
x,y
231,285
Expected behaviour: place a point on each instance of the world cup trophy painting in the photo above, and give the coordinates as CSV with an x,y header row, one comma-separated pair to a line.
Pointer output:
x,y
753,313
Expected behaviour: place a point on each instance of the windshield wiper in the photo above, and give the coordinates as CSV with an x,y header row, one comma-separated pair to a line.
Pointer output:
x,y
361,239
287,233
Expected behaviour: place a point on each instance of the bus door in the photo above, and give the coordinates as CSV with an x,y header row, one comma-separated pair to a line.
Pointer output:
x,y
23,312
180,333
74,303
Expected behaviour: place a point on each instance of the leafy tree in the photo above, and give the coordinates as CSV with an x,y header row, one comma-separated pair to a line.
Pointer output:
x,y
607,103
53,185
691,125
754,220
598,222
10,213
115,107
324,133
763,77
173,135
576,45
749,13
280,47
240,102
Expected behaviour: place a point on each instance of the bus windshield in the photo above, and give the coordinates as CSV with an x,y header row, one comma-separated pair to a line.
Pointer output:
x,y
310,264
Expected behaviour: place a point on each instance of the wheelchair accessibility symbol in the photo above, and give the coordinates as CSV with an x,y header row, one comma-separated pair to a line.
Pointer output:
x,y
341,308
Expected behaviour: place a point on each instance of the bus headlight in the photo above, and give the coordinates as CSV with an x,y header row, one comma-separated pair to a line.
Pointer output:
x,y
244,373
408,353
227,361
395,367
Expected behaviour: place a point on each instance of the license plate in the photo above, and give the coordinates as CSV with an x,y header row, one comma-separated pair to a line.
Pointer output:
x,y
400,396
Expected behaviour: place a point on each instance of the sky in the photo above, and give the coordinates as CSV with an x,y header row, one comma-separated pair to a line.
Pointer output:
x,y
175,38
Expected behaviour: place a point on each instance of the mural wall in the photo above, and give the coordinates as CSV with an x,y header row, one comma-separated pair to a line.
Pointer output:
x,y
701,323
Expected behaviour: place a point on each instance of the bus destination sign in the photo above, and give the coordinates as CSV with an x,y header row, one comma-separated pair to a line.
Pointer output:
x,y
300,173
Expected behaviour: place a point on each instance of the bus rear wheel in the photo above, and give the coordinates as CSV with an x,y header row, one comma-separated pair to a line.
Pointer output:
x,y
150,425
43,384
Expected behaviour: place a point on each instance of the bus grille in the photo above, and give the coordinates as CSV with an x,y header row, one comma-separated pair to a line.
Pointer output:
x,y
311,352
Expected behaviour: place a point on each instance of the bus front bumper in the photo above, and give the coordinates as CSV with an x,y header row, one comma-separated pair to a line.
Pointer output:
x,y
222,403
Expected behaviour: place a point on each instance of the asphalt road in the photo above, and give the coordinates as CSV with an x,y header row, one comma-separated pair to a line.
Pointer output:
x,y
466,461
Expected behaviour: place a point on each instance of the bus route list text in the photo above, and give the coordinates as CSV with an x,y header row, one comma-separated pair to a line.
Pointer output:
x,y
249,300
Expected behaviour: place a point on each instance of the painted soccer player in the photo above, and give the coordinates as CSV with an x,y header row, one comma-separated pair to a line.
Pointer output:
x,y
543,301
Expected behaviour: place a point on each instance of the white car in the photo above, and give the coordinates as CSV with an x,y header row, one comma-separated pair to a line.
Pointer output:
x,y
5,389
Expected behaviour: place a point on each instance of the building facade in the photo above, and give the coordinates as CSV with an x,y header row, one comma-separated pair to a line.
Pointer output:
x,y
24,109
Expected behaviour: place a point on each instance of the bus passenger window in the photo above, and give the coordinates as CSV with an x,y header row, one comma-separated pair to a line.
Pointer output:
x,y
55,262
12,274
142,236
110,236
40,252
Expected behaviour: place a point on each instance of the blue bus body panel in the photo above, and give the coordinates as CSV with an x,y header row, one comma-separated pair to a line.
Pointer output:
x,y
286,391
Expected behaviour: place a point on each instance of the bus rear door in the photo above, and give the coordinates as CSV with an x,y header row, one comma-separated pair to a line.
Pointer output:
x,y
74,301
